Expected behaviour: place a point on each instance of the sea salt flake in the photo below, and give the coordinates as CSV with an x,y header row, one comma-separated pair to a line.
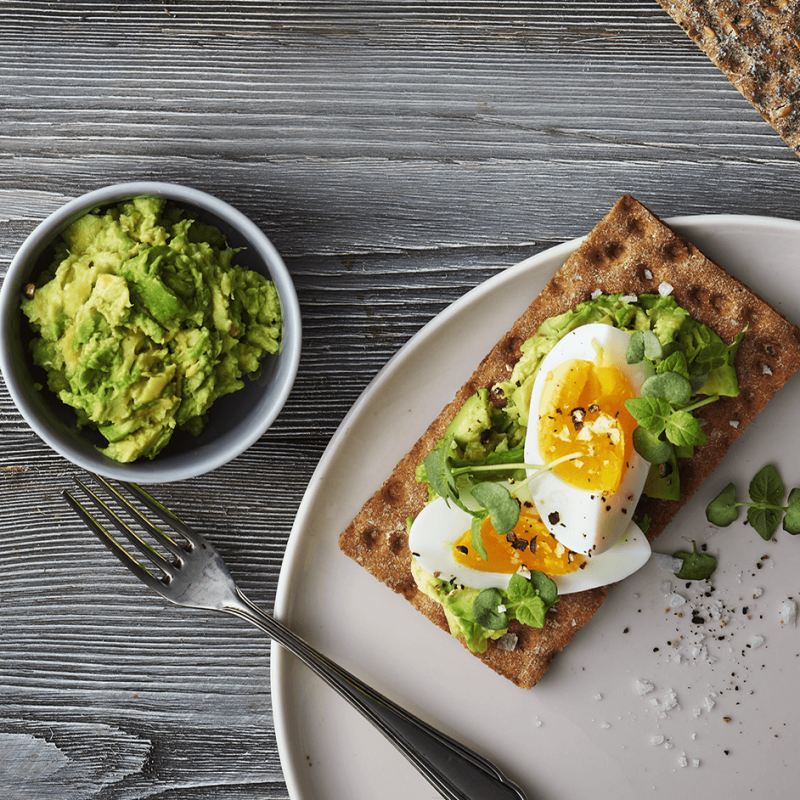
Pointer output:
x,y
670,702
676,600
757,592
789,613
644,687
695,762
648,275
629,298
734,423
756,641
596,293
657,739
683,761
765,370
667,562
507,642
665,288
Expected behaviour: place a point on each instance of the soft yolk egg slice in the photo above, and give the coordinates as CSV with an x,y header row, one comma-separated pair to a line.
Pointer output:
x,y
578,407
440,540
528,545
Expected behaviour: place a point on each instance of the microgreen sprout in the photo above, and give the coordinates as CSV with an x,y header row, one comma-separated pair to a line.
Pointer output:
x,y
765,509
526,599
696,566
495,501
668,398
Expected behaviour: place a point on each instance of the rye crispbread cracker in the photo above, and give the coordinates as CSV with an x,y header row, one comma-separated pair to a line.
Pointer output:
x,y
629,252
756,44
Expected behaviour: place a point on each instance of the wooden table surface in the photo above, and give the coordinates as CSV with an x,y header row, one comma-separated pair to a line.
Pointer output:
x,y
397,155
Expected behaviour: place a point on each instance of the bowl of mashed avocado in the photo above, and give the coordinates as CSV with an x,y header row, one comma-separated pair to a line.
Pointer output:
x,y
149,332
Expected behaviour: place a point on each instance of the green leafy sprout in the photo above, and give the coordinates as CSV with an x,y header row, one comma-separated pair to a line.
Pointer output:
x,y
696,566
765,509
527,599
495,501
666,426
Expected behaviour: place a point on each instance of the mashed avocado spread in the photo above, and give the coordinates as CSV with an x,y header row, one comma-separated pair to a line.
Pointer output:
x,y
482,432
143,321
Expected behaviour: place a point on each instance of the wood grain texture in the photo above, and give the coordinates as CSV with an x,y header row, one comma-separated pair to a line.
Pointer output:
x,y
397,154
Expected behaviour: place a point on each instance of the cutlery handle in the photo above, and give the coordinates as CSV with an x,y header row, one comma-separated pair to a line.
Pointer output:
x,y
453,769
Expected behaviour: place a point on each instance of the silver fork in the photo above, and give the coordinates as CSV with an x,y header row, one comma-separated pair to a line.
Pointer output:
x,y
196,576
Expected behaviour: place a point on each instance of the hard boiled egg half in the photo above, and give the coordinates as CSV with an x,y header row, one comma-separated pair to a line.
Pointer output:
x,y
440,540
578,412
575,520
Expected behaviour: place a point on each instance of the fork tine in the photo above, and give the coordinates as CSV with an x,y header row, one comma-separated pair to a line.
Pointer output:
x,y
164,539
166,515
144,547
142,573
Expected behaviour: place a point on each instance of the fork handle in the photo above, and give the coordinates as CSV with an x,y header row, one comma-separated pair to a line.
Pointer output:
x,y
456,771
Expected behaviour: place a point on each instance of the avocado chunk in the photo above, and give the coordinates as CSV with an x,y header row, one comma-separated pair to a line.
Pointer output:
x,y
473,420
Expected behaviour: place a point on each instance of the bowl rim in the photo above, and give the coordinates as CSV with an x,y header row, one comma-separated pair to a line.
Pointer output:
x,y
182,466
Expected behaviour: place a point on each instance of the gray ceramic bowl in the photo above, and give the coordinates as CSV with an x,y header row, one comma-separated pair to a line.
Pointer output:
x,y
236,421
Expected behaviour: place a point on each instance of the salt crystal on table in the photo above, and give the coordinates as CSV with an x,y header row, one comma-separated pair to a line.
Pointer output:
x,y
667,562
789,613
670,702
644,687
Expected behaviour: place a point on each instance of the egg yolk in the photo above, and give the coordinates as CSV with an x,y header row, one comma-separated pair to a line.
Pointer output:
x,y
529,545
582,411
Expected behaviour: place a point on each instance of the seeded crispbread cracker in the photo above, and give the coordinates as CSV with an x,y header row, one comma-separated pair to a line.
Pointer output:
x,y
756,43
630,252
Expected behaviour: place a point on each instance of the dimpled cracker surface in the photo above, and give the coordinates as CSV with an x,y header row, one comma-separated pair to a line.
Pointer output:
x,y
629,252
756,43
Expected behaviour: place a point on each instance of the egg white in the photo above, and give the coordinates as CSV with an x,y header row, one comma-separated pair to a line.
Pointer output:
x,y
586,522
439,525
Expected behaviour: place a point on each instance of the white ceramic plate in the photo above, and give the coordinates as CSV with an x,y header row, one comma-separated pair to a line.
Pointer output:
x,y
723,703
